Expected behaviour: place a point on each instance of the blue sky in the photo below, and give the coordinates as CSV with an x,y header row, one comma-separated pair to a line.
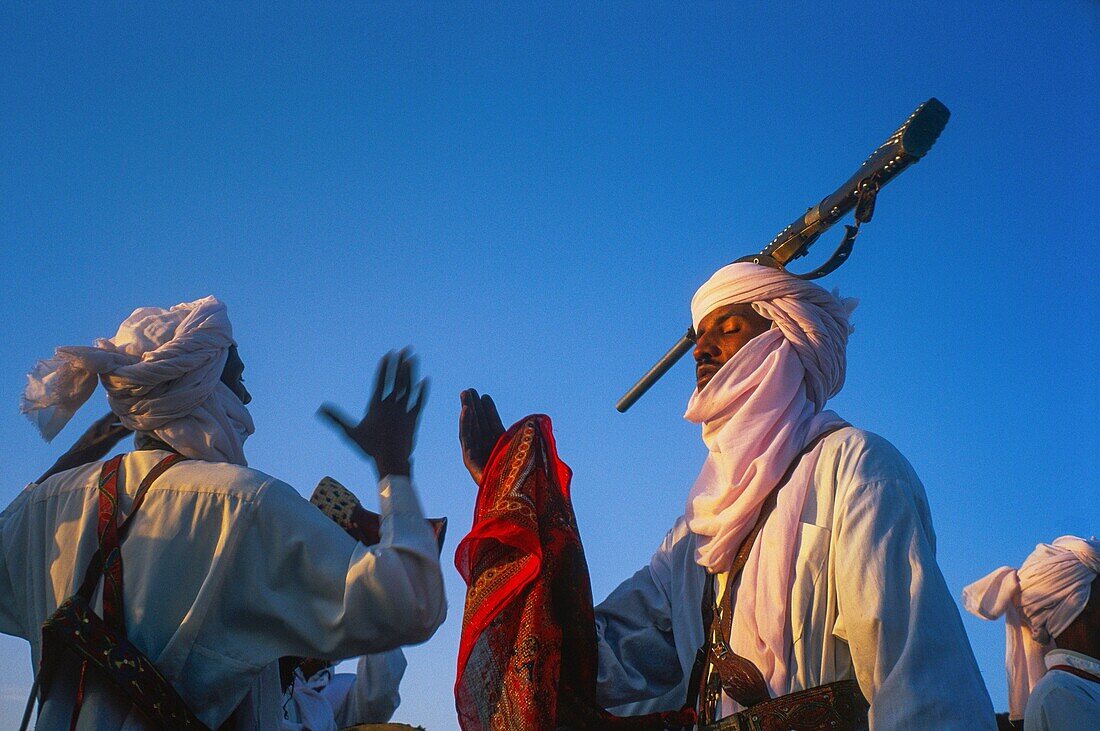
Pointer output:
x,y
529,195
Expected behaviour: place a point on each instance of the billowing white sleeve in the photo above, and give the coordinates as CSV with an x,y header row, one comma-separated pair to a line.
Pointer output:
x,y
908,646
301,586
374,695
13,605
637,651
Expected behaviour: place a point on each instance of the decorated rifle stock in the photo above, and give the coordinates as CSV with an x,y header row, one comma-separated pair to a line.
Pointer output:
x,y
903,148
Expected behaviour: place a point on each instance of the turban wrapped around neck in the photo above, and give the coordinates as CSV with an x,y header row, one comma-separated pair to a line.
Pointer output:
x,y
162,374
757,413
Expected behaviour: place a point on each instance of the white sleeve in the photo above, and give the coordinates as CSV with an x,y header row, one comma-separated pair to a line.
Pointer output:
x,y
301,586
637,651
12,603
374,695
908,646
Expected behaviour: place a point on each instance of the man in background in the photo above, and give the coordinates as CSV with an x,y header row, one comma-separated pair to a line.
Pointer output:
x,y
1051,606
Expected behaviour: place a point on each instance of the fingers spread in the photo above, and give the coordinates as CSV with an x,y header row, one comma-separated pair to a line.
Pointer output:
x,y
418,398
380,379
402,377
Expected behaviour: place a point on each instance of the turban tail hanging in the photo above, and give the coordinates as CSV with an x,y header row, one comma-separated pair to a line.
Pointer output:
x,y
162,374
757,413
1038,601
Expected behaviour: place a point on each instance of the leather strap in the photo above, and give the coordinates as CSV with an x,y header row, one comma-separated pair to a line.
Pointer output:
x,y
838,706
108,544
737,676
107,560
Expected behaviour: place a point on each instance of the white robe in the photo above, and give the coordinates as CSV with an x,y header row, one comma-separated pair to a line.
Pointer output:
x,y
328,701
226,570
868,601
1062,701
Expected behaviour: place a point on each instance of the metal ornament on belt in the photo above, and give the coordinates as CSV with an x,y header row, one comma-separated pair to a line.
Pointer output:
x,y
906,146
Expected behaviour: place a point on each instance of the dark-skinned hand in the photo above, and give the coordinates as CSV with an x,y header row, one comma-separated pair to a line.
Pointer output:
x,y
92,446
387,433
479,430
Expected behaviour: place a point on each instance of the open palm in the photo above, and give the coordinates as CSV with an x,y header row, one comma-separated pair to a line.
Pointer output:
x,y
387,432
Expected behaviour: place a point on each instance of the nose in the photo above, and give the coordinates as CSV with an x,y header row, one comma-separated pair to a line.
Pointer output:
x,y
705,348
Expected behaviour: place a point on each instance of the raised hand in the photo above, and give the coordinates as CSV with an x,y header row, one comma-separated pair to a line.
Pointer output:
x,y
479,430
387,433
92,446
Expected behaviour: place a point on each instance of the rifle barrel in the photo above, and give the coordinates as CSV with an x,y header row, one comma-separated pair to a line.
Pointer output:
x,y
675,353
906,146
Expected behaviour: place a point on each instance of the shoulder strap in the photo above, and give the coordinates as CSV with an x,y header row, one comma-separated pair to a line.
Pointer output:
x,y
106,562
112,533
737,674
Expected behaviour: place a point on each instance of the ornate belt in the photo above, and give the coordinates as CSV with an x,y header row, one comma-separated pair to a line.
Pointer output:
x,y
838,706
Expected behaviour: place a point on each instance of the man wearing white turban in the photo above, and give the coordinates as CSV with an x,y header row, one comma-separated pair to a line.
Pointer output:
x,y
1051,606
226,569
836,600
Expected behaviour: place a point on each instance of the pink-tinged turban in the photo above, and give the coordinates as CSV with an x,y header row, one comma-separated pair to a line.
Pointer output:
x,y
1038,601
811,319
162,373
760,410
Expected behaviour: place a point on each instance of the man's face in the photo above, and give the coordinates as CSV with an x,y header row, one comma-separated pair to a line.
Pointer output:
x,y
232,375
721,334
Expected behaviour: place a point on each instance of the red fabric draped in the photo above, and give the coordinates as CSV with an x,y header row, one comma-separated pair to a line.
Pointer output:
x,y
527,658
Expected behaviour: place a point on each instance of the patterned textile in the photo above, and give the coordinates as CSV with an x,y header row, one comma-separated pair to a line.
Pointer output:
x,y
833,707
108,542
101,642
527,658
365,526
75,626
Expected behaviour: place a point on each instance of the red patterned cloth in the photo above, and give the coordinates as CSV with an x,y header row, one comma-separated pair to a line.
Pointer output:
x,y
527,658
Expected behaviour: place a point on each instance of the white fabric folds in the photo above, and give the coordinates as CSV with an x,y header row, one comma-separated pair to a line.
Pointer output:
x,y
162,373
760,410
1038,601
811,319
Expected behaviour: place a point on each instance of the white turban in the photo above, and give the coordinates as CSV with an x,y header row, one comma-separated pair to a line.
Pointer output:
x,y
760,410
812,320
1038,602
162,373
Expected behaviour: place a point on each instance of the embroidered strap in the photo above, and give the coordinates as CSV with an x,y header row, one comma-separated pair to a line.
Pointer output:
x,y
838,706
76,627
107,560
97,567
737,676
102,642
1079,672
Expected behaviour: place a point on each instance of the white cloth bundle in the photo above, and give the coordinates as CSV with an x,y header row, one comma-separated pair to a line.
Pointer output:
x,y
758,412
162,373
1038,601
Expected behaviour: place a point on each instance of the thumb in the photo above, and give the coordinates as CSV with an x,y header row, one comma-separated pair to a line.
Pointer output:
x,y
331,415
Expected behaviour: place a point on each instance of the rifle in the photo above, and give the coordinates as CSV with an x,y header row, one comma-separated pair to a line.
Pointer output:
x,y
906,146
